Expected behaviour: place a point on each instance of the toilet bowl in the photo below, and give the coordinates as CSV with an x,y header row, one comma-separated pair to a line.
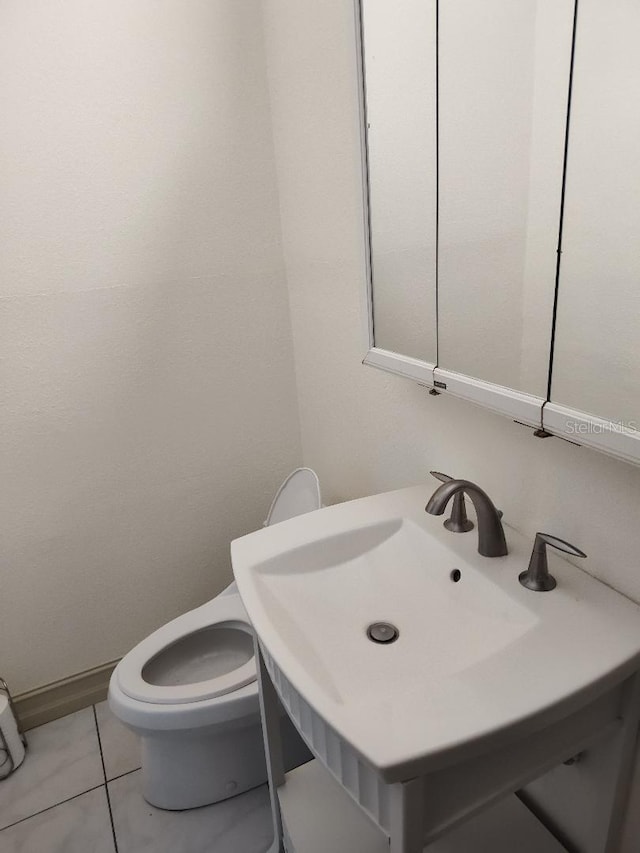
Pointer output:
x,y
189,690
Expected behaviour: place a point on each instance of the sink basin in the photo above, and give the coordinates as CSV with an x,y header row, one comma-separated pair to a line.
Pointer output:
x,y
392,571
478,660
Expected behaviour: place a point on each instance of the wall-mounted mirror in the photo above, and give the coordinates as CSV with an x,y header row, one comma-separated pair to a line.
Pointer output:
x,y
503,86
596,365
400,70
503,206
465,109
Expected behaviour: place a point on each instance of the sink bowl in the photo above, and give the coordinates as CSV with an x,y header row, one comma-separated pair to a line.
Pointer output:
x,y
323,596
478,660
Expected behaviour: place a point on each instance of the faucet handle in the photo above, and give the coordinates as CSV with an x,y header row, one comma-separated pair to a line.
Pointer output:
x,y
560,544
537,576
458,522
444,478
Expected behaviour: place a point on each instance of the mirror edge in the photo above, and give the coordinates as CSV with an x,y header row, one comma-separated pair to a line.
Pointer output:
x,y
588,430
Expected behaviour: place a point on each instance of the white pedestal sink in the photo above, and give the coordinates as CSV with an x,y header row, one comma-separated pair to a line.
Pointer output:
x,y
487,685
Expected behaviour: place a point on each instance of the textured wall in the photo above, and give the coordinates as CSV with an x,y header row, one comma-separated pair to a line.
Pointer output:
x,y
364,431
148,395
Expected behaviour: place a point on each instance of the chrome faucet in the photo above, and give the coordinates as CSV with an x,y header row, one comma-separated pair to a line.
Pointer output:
x,y
491,541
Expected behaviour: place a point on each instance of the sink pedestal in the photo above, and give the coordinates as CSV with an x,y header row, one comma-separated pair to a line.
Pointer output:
x,y
424,813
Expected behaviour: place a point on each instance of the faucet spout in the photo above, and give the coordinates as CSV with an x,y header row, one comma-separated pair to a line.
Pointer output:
x,y
491,541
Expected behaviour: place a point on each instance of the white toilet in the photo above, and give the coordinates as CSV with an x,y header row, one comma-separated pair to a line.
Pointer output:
x,y
190,691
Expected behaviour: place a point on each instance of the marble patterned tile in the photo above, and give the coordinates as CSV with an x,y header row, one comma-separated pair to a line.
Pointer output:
x,y
120,746
242,823
80,825
62,761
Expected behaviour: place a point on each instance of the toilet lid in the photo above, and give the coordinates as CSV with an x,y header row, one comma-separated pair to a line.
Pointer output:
x,y
199,655
299,493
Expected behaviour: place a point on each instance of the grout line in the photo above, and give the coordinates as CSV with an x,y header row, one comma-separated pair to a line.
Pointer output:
x,y
121,775
54,806
104,773
95,720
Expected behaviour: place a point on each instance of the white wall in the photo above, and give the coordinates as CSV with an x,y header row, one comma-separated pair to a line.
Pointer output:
x,y
148,407
362,430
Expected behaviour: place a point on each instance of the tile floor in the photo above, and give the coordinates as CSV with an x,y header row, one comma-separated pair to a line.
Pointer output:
x,y
78,791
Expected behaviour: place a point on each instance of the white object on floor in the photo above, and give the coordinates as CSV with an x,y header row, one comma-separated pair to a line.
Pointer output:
x,y
318,815
190,691
11,745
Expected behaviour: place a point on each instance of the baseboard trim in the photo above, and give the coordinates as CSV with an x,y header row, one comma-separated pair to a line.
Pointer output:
x,y
55,700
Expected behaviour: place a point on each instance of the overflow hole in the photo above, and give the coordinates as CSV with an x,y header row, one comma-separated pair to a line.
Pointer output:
x,y
455,575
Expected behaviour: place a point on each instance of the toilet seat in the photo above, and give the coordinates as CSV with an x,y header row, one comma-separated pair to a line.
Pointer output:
x,y
229,613
298,494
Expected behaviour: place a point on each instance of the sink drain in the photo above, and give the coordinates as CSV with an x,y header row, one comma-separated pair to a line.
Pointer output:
x,y
382,632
